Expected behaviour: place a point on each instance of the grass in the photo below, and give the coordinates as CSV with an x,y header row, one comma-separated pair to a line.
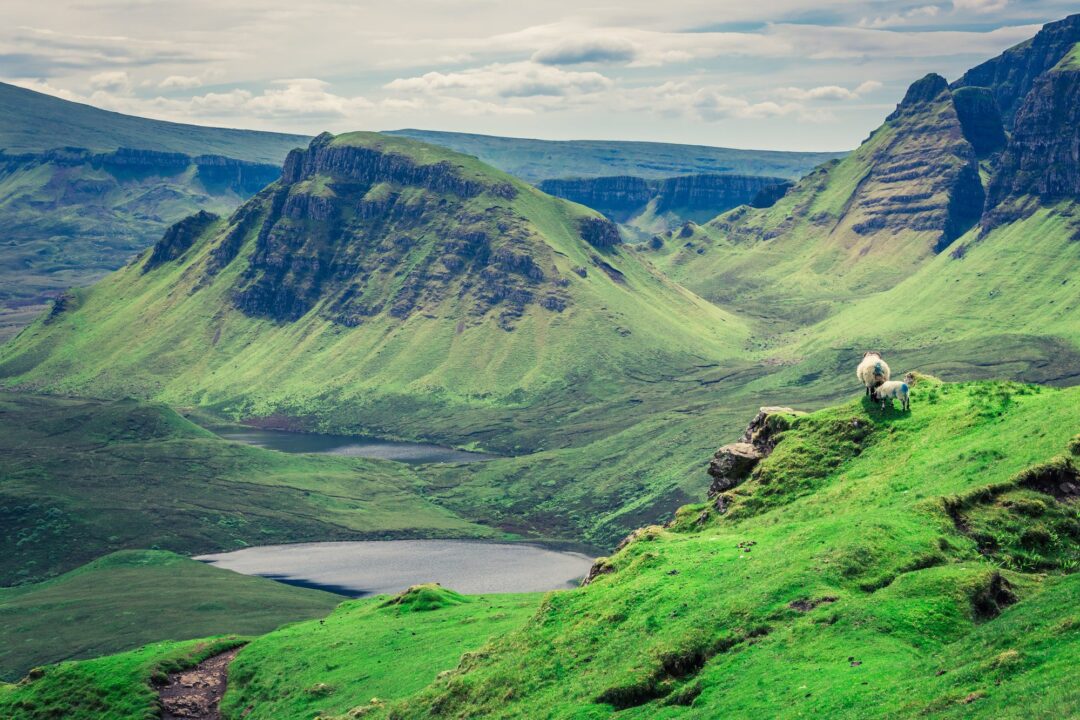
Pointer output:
x,y
366,653
83,478
134,597
117,687
837,585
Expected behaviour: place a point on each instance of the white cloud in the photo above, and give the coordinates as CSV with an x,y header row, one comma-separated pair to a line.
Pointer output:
x,y
505,80
828,92
980,6
115,82
921,14
180,82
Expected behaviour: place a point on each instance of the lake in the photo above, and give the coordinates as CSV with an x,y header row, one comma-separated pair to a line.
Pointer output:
x,y
390,566
297,442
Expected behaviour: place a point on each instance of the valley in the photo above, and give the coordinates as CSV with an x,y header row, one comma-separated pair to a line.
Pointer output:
x,y
427,424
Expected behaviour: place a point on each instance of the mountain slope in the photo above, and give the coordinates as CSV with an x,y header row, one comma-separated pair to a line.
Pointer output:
x,y
83,189
130,598
381,278
874,565
32,122
535,160
82,478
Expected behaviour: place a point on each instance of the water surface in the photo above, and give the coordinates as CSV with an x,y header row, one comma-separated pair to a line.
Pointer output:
x,y
390,566
297,442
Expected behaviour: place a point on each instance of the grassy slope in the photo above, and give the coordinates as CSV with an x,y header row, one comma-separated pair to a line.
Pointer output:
x,y
134,597
32,122
535,160
372,648
81,478
116,687
366,649
696,621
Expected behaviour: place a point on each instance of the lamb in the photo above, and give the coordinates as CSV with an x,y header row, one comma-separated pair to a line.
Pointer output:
x,y
895,390
872,371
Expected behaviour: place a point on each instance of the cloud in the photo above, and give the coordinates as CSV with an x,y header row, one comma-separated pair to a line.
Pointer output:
x,y
828,92
586,50
180,82
708,103
505,80
114,82
922,13
980,6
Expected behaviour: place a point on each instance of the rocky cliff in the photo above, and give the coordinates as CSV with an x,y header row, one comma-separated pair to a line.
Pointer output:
x,y
926,176
696,197
1013,74
357,230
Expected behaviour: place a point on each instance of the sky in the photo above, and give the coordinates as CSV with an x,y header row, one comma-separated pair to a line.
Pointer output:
x,y
770,74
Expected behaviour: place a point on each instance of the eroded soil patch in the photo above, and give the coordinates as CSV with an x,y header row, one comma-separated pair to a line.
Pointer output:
x,y
195,693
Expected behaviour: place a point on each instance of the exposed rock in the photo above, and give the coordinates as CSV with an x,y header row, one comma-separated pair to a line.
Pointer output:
x,y
1042,159
770,194
926,177
1012,75
733,463
622,197
980,118
178,238
601,566
599,232
1058,478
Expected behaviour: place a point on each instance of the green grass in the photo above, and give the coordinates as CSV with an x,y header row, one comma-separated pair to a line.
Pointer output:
x,y
696,620
32,122
81,478
535,160
371,648
117,687
134,597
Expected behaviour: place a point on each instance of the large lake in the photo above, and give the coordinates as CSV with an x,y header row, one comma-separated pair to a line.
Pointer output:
x,y
296,442
390,566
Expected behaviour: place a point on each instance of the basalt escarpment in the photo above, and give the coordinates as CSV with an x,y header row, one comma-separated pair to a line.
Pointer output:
x,y
178,238
1041,163
352,232
696,197
1013,74
925,177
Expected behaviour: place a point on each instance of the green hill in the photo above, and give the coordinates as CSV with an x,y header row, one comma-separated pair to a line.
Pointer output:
x,y
130,598
535,160
32,122
82,478
873,564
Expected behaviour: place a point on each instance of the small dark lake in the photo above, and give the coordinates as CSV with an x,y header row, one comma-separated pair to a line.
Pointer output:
x,y
390,566
297,442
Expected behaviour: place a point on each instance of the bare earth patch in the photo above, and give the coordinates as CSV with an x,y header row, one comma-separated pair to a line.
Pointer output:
x,y
195,693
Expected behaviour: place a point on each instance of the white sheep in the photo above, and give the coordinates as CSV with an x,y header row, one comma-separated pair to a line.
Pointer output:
x,y
895,390
872,371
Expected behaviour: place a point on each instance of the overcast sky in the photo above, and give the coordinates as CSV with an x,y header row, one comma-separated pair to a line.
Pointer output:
x,y
773,74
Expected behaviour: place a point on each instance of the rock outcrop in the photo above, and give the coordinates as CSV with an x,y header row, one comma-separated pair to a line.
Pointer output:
x,y
733,463
980,118
925,177
360,229
178,238
1012,75
1042,160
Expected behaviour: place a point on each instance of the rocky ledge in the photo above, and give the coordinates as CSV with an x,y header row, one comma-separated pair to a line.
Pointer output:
x,y
733,463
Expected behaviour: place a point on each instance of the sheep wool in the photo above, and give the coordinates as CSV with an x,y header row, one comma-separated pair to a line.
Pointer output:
x,y
872,371
893,390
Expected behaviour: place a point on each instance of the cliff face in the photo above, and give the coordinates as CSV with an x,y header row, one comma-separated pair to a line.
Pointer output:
x,y
926,177
980,119
1013,74
357,231
1042,159
696,197
178,238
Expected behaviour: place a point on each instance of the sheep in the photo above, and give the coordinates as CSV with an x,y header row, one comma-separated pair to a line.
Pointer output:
x,y
895,389
872,371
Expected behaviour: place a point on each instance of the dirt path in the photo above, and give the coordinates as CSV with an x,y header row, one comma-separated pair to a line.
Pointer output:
x,y
194,694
